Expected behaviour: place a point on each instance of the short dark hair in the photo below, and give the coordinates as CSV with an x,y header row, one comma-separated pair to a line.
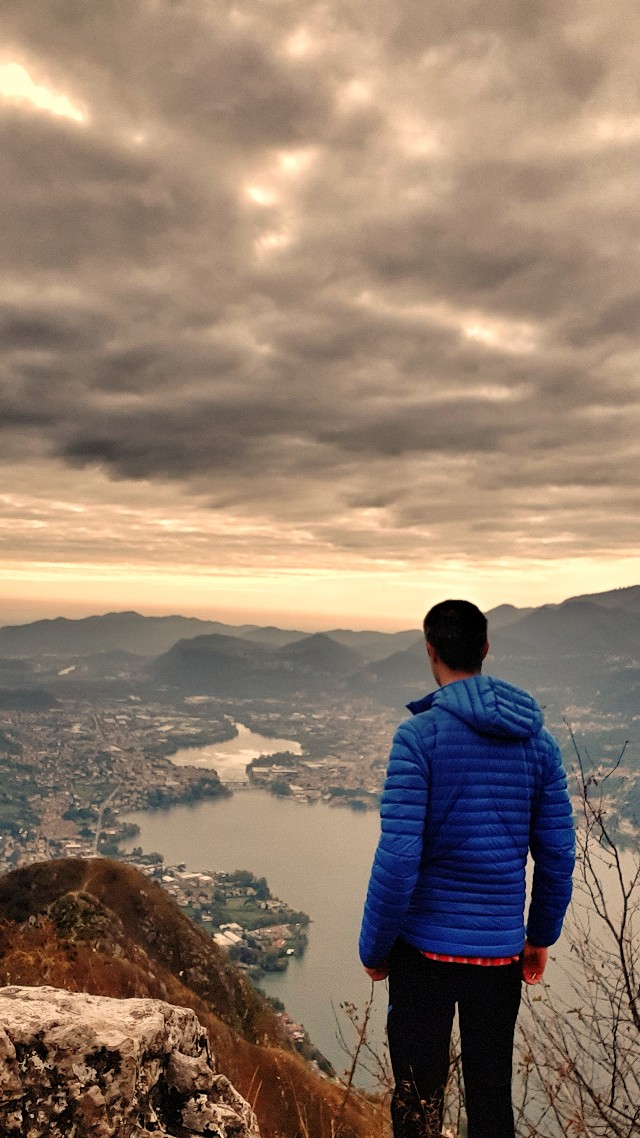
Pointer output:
x,y
458,632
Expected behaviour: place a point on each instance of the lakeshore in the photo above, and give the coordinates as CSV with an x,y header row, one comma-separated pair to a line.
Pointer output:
x,y
315,857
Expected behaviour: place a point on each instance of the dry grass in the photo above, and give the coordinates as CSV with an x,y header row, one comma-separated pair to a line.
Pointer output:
x,y
102,927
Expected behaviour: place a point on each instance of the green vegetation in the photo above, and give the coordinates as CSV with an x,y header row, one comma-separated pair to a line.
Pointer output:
x,y
14,820
246,880
206,786
146,858
219,733
279,759
91,790
109,844
16,811
9,745
80,814
280,787
355,796
246,914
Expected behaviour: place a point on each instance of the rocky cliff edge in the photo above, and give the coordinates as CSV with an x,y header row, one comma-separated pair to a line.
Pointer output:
x,y
79,1066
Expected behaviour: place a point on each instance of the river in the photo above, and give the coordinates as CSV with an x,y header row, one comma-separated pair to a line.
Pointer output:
x,y
230,757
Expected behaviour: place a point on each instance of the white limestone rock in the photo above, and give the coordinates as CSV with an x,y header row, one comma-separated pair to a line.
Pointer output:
x,y
80,1066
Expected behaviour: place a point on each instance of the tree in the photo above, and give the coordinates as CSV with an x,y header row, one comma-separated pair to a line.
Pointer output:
x,y
579,1070
280,787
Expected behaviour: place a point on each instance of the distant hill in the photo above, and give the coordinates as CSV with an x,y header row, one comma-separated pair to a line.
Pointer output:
x,y
504,615
574,628
101,927
398,678
372,646
152,635
117,631
321,654
216,665
270,637
626,599
227,666
120,632
577,655
567,644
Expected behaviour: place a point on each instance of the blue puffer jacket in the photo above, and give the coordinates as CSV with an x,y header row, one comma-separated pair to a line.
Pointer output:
x,y
474,782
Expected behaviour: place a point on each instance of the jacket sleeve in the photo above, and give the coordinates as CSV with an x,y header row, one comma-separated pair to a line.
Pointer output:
x,y
552,844
397,859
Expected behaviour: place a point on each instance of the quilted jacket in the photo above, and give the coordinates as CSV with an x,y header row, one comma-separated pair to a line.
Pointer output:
x,y
474,782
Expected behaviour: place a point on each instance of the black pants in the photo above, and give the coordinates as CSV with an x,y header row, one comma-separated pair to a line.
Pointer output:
x,y
422,999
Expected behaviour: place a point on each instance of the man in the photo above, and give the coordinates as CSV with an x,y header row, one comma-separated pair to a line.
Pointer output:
x,y
474,782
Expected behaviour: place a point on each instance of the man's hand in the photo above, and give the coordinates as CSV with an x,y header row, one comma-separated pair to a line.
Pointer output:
x,y
534,962
379,973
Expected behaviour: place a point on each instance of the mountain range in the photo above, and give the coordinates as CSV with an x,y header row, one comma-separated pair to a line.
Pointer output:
x,y
584,652
151,635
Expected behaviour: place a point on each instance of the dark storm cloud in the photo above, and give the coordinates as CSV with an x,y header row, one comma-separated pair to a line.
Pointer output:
x,y
317,259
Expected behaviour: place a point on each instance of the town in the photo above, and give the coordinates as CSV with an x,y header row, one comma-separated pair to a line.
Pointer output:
x,y
73,772
69,769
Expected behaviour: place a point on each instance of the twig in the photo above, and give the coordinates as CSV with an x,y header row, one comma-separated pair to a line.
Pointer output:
x,y
362,1031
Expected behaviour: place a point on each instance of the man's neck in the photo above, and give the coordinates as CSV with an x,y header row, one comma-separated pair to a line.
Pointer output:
x,y
451,676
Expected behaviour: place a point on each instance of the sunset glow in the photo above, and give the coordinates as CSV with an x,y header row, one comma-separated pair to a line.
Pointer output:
x,y
314,313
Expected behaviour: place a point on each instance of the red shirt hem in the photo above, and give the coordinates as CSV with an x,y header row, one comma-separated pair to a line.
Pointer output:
x,y
486,961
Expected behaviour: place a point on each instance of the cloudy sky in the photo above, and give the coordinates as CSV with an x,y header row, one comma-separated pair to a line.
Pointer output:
x,y
317,309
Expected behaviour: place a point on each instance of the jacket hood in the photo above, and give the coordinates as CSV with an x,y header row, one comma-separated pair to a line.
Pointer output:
x,y
489,706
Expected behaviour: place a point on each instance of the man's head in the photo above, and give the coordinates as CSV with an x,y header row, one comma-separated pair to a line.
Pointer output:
x,y
456,635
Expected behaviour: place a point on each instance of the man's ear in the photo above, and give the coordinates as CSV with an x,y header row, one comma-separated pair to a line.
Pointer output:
x,y
431,652
485,649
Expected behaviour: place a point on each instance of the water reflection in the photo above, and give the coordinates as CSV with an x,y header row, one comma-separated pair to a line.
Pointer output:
x,y
230,757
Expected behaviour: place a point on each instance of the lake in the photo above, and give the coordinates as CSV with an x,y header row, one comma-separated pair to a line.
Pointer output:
x,y
317,858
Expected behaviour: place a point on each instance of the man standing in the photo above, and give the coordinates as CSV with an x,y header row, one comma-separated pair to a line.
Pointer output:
x,y
474,782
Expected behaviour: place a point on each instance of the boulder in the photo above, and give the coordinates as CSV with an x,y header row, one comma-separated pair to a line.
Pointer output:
x,y
80,1066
